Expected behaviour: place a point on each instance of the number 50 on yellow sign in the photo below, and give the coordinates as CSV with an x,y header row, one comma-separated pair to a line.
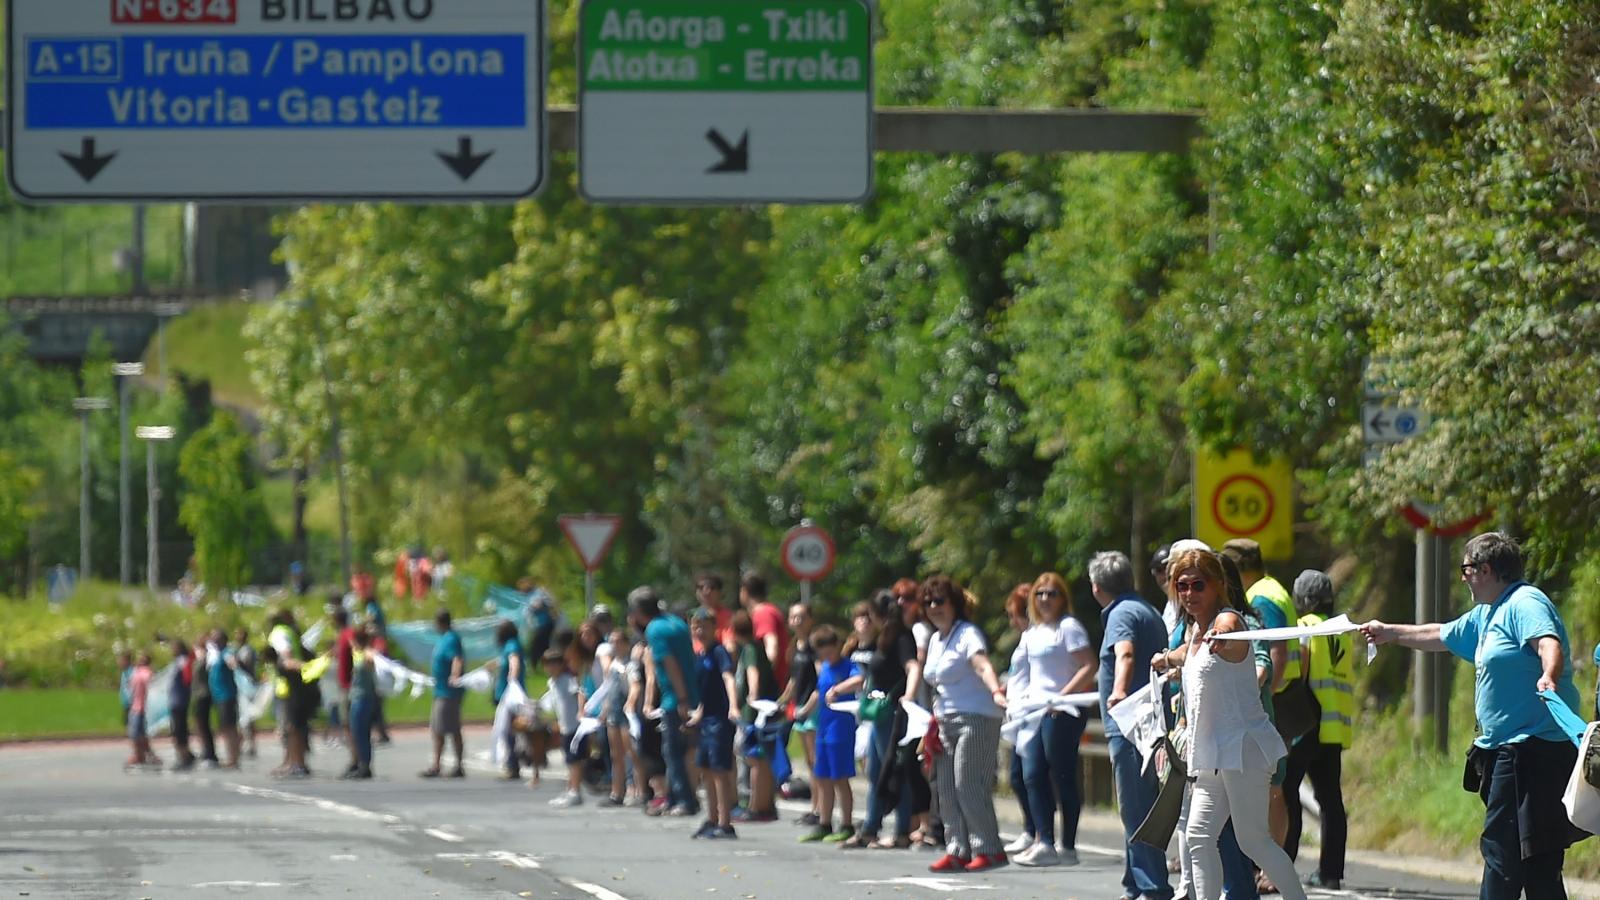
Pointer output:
x,y
1238,496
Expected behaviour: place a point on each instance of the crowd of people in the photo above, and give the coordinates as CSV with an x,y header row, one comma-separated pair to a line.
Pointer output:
x,y
691,713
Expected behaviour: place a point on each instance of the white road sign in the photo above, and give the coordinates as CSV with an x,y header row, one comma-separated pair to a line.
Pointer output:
x,y
591,536
807,553
1384,424
273,100
725,101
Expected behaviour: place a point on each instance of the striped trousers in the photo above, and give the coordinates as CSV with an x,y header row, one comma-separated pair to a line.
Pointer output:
x,y
966,776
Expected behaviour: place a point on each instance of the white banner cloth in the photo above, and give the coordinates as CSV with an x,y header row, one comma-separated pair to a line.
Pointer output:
x,y
1025,715
1339,624
917,721
511,702
1139,718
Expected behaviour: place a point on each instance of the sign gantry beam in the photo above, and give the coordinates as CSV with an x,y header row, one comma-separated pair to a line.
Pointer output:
x,y
907,129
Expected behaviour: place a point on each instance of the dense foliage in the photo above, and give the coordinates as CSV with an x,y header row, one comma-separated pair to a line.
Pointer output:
x,y
1001,363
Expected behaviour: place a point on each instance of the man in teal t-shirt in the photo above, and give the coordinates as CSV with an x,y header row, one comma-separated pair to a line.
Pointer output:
x,y
1518,645
672,650
445,721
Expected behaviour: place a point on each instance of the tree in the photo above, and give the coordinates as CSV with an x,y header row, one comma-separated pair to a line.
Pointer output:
x,y
221,503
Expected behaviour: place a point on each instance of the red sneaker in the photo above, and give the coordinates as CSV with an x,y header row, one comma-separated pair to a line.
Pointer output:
x,y
949,863
985,861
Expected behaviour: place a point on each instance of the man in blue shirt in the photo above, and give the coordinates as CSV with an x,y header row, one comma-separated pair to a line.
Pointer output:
x,y
672,652
1521,758
1134,633
445,721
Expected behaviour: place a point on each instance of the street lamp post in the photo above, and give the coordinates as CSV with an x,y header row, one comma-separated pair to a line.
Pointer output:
x,y
84,406
124,371
150,434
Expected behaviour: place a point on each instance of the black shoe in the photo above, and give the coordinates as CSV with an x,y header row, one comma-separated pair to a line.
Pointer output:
x,y
809,818
723,834
706,828
1316,880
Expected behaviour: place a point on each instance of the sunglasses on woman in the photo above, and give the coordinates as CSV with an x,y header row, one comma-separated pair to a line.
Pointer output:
x,y
1190,586
936,601
1046,593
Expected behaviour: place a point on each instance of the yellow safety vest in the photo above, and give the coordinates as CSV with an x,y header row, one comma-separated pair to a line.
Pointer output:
x,y
1269,588
1330,664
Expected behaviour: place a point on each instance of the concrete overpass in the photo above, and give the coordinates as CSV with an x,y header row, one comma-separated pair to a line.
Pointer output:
x,y
57,329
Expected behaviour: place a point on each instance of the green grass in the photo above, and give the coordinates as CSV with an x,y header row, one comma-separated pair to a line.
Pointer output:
x,y
208,342
1403,798
96,712
69,249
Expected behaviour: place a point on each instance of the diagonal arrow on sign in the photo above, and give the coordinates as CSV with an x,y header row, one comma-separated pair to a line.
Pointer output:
x,y
591,535
735,158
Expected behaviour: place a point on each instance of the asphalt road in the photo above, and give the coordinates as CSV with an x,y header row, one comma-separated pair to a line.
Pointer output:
x,y
74,825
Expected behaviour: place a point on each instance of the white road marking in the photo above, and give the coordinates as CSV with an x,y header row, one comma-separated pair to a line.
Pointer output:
x,y
233,884
515,860
443,835
933,884
597,891
317,802
343,857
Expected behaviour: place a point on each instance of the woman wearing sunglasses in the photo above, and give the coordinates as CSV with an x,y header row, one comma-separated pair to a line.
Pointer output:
x,y
1058,660
1230,745
968,704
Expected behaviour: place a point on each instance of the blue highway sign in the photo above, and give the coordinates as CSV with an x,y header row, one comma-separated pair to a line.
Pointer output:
x,y
274,100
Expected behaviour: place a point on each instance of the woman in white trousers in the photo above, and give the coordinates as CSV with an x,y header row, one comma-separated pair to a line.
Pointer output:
x,y
1230,745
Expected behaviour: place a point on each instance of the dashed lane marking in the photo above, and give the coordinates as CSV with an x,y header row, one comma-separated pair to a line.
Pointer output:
x,y
596,891
332,806
443,835
942,885
506,857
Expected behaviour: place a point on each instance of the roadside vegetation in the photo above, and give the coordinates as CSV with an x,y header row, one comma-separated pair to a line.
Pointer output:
x,y
997,366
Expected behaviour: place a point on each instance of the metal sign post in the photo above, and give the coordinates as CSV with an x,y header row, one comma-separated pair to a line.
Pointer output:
x,y
151,434
84,406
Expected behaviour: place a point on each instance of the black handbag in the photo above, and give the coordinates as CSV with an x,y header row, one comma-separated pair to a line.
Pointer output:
x,y
1296,711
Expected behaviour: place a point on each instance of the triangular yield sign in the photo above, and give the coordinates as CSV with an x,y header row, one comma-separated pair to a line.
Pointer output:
x,y
591,535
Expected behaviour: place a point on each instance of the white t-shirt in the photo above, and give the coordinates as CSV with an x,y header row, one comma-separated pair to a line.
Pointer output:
x,y
1049,649
958,689
561,700
1017,676
922,631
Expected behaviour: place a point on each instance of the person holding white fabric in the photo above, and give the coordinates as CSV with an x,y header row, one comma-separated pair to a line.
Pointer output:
x,y
1230,745
1059,662
1016,689
968,703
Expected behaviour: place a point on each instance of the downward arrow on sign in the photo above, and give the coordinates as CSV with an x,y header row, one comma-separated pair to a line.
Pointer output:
x,y
465,163
86,163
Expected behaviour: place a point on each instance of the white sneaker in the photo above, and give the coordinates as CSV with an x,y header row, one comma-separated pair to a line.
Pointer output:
x,y
1023,842
567,799
1040,854
1066,857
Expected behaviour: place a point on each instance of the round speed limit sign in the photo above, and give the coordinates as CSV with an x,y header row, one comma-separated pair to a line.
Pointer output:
x,y
807,553
1243,504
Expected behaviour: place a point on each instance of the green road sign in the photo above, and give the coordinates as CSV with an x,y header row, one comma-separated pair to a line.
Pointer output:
x,y
705,101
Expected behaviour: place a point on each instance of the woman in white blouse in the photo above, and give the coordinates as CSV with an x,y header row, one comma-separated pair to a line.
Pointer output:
x,y
1230,744
1057,660
968,704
